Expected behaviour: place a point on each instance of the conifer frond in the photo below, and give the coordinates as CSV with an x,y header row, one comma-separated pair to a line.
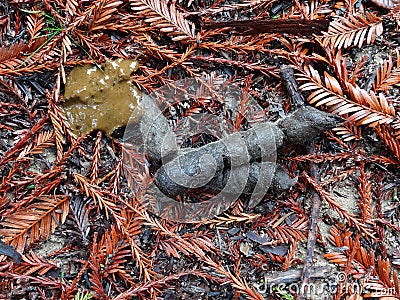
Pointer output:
x,y
27,58
32,263
58,129
362,109
199,242
114,254
80,211
365,191
342,211
355,30
96,193
96,158
140,288
281,233
348,132
247,4
373,273
388,77
315,9
132,229
72,6
228,219
356,105
43,140
163,15
102,13
156,50
35,24
11,56
390,139
35,222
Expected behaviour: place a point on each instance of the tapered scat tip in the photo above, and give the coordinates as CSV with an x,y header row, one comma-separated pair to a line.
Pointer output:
x,y
306,123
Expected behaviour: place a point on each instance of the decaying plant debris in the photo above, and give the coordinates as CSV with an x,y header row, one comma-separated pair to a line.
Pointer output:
x,y
67,209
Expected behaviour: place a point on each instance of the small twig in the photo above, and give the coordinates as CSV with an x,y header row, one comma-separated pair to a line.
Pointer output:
x,y
312,232
294,275
291,86
297,100
290,26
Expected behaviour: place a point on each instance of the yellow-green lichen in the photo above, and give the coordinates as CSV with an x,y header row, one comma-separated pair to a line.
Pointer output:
x,y
97,99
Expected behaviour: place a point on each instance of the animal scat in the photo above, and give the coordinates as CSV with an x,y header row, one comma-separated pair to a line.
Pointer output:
x,y
100,99
306,123
301,126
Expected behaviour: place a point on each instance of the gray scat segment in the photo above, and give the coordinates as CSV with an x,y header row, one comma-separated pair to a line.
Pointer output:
x,y
10,251
166,184
229,158
251,174
181,173
264,141
230,151
282,181
159,138
306,123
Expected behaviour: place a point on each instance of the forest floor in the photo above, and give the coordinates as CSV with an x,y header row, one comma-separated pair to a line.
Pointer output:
x,y
75,216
